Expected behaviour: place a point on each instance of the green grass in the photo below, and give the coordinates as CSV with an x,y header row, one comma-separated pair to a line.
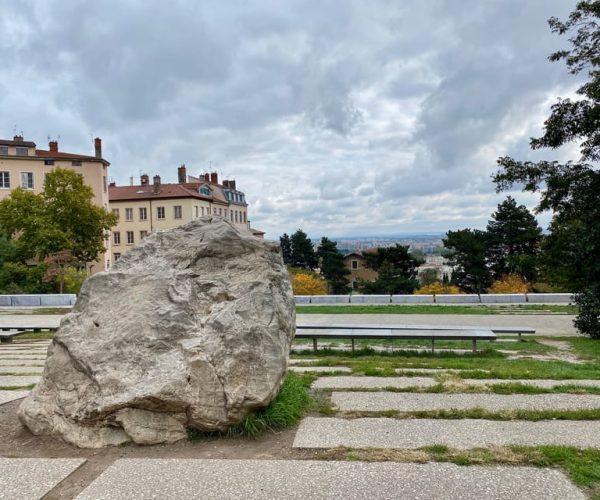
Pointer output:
x,y
285,411
434,309
35,336
17,387
585,347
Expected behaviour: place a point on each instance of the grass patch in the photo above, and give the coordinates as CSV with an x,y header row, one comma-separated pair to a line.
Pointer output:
x,y
17,387
435,309
585,347
35,336
581,465
285,411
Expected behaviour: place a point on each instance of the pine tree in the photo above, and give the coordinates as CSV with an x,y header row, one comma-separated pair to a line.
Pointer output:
x,y
286,248
332,266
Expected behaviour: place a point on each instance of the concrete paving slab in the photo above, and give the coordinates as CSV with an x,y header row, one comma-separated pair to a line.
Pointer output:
x,y
18,381
372,382
32,478
24,357
20,362
19,370
8,396
293,362
435,370
541,383
382,401
185,479
317,432
320,369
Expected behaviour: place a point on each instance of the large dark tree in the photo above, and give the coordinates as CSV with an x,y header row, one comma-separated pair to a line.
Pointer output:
x,y
396,268
303,253
332,266
571,190
468,249
513,240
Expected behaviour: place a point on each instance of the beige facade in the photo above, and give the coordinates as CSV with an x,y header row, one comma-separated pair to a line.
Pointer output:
x,y
23,165
149,207
355,263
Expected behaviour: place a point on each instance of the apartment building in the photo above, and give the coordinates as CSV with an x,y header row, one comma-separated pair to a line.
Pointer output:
x,y
23,165
149,207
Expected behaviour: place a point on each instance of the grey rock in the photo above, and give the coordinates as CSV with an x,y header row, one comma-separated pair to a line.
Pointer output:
x,y
191,328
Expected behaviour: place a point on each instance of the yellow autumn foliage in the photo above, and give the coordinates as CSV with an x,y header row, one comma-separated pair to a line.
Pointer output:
x,y
438,288
510,283
308,284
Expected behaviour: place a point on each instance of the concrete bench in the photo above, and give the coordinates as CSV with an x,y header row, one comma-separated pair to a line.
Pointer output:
x,y
316,332
6,336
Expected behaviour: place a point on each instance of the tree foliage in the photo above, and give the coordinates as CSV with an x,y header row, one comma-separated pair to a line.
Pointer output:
x,y
437,288
571,189
286,248
308,284
302,253
333,269
468,257
396,268
510,283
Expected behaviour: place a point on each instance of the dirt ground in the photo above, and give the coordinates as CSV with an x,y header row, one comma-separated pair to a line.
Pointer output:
x,y
17,442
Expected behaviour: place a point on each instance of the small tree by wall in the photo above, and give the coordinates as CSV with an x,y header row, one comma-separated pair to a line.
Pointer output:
x,y
308,284
510,283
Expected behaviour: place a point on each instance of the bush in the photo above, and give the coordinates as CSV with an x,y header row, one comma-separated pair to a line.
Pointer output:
x,y
588,319
438,288
510,283
74,278
308,284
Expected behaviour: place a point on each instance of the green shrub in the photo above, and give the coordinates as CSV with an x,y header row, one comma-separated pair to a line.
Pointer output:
x,y
588,319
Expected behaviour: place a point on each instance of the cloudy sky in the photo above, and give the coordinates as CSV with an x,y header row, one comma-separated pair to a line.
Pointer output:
x,y
342,118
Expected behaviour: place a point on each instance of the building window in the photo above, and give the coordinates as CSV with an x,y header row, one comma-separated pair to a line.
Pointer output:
x,y
3,150
143,234
104,185
160,212
48,162
129,214
220,211
27,180
231,214
196,211
214,210
202,208
245,220
130,238
116,237
143,213
236,216
177,211
117,256
5,180
354,264
22,151
77,163
115,211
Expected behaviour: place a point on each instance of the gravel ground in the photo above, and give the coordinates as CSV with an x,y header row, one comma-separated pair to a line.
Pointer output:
x,y
463,433
319,369
291,479
7,396
542,383
32,478
382,401
372,382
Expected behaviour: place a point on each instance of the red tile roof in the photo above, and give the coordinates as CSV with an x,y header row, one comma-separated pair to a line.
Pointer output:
x,y
122,193
60,154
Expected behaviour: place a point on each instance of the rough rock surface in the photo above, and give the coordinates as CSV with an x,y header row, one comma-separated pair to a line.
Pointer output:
x,y
190,328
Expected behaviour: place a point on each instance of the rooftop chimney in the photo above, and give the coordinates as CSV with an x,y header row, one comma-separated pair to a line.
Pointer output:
x,y
232,185
207,177
156,180
214,178
53,146
225,184
144,180
182,174
18,138
98,147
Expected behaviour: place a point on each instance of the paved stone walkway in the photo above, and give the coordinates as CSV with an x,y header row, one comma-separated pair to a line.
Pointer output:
x,y
541,383
8,396
320,369
372,382
32,478
15,370
20,362
317,432
400,371
292,479
382,401
16,381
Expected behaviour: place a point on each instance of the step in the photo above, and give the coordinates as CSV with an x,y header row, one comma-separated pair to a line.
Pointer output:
x,y
187,479
8,396
32,478
406,402
372,382
18,381
320,369
541,383
17,370
317,432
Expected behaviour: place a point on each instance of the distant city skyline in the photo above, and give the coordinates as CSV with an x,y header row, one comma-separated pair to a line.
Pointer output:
x,y
345,118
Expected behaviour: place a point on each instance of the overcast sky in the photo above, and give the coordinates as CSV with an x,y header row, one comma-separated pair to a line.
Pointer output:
x,y
343,118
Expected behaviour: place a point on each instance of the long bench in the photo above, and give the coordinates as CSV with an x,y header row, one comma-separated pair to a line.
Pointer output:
x,y
6,336
8,332
351,332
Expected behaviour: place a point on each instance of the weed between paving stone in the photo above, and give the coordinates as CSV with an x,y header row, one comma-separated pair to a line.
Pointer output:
x,y
285,411
17,387
435,309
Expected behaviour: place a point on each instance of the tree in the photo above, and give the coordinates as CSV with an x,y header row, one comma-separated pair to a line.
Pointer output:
x,y
429,276
333,269
286,248
302,252
396,268
468,257
308,284
571,189
510,283
60,218
437,288
513,240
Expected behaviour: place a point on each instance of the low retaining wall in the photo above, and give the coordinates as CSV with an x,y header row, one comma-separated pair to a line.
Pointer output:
x,y
492,298
38,300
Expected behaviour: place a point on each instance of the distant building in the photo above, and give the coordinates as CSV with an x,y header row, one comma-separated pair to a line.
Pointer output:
x,y
438,263
355,263
23,165
147,207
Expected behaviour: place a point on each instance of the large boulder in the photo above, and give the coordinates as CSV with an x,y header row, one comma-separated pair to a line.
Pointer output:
x,y
190,328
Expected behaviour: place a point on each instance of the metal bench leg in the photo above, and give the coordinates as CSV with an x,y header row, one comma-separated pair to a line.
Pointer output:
x,y
6,340
432,346
474,346
352,346
315,344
